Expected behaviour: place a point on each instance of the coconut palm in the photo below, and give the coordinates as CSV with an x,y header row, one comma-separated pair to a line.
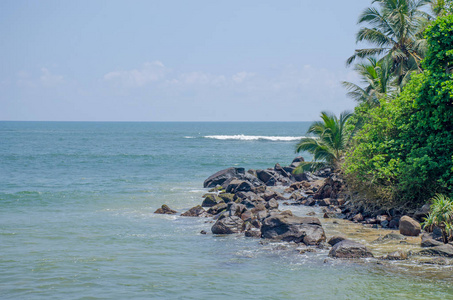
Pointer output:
x,y
396,32
378,79
327,145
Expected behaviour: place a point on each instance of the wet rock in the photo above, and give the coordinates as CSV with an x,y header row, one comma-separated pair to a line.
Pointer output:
x,y
390,237
203,232
409,226
165,210
211,200
236,209
349,249
220,177
196,211
293,229
335,240
253,232
397,255
214,210
445,250
429,241
324,202
228,225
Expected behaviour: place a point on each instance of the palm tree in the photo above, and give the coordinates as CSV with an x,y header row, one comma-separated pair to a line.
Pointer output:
x,y
328,144
396,32
378,79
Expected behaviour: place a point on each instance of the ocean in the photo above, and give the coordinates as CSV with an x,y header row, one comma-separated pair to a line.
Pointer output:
x,y
77,222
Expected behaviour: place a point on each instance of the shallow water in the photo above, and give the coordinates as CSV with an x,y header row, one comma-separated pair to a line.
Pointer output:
x,y
77,222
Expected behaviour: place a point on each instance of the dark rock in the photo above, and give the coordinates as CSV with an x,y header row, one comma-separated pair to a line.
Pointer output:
x,y
281,171
220,177
259,189
164,209
300,177
393,223
236,209
214,210
335,240
430,243
196,211
291,228
211,200
349,249
390,237
203,232
422,212
228,225
227,197
443,250
264,175
253,232
239,186
409,226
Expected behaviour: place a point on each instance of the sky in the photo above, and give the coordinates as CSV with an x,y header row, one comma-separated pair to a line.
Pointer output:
x,y
166,60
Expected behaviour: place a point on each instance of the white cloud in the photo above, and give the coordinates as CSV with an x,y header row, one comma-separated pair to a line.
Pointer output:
x,y
150,72
201,79
241,76
49,79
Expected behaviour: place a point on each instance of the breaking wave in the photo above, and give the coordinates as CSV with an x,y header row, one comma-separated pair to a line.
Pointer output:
x,y
254,137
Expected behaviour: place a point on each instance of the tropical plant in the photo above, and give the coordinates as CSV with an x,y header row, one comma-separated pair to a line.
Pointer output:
x,y
440,215
442,7
396,32
404,153
376,76
328,144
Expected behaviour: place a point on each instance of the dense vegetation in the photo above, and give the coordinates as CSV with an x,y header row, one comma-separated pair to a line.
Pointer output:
x,y
403,153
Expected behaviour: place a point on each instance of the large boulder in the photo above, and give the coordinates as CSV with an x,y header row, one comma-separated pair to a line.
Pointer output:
x,y
237,185
409,226
218,208
443,250
292,228
335,240
196,211
211,200
228,225
220,177
165,210
349,249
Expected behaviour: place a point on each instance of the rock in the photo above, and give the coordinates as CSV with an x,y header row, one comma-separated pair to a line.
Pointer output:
x,y
264,175
443,250
430,243
272,204
349,249
392,224
390,237
196,211
281,171
253,232
440,261
236,209
397,255
239,186
214,210
227,197
296,161
228,225
358,217
165,210
203,232
422,212
324,202
335,240
220,177
409,226
211,200
300,177
291,228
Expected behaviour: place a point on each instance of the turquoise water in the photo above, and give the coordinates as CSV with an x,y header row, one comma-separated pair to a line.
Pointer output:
x,y
77,222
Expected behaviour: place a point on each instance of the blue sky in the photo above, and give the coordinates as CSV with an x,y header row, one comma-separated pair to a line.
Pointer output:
x,y
175,60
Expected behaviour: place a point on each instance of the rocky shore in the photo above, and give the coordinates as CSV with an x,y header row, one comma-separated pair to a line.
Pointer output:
x,y
247,202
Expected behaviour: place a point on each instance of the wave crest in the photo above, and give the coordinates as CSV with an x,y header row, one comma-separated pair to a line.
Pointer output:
x,y
254,137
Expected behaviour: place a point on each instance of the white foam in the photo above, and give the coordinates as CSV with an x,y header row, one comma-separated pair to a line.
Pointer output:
x,y
254,137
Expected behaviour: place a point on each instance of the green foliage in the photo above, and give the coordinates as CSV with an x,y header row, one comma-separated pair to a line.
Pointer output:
x,y
441,215
394,28
403,153
328,144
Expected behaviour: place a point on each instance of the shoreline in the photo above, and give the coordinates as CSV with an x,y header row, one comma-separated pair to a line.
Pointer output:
x,y
247,203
